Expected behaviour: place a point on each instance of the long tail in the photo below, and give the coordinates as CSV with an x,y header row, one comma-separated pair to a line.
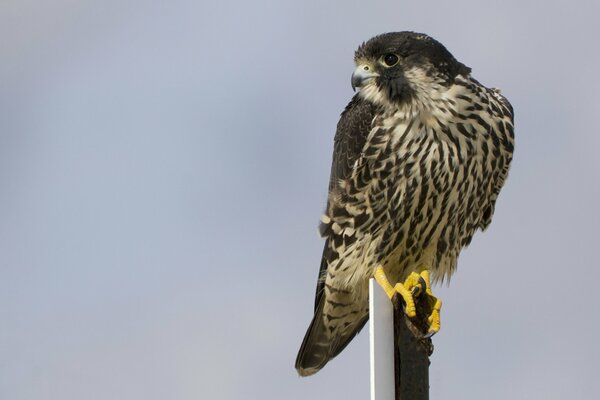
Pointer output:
x,y
324,340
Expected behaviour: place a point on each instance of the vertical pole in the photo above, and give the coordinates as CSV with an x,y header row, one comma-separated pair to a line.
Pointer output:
x,y
399,353
411,354
381,336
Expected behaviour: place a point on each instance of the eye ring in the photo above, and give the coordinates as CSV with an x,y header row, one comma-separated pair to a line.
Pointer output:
x,y
390,59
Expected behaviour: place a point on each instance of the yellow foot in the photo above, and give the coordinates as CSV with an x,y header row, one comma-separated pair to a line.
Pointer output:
x,y
414,286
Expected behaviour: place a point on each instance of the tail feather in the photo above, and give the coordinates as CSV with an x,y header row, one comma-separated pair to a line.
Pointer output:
x,y
320,345
314,351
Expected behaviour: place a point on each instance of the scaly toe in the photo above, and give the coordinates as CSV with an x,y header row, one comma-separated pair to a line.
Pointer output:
x,y
411,309
434,317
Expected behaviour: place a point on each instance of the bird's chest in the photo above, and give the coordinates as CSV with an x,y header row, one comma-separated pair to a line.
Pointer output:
x,y
420,150
424,185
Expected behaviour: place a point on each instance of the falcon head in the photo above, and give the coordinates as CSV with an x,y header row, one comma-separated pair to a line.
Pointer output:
x,y
404,67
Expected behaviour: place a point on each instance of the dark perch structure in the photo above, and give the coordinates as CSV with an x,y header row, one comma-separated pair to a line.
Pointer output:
x,y
411,351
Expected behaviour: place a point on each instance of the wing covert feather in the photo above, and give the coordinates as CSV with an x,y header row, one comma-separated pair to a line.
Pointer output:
x,y
350,138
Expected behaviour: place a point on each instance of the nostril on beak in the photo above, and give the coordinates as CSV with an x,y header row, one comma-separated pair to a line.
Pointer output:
x,y
361,74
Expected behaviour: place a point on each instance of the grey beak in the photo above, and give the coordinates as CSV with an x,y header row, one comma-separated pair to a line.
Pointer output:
x,y
361,74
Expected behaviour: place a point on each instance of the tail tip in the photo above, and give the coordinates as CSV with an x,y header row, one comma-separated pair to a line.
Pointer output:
x,y
308,371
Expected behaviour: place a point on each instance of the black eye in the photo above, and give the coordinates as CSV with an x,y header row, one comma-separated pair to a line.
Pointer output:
x,y
390,59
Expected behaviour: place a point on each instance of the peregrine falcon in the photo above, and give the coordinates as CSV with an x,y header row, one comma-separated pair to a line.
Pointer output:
x,y
420,155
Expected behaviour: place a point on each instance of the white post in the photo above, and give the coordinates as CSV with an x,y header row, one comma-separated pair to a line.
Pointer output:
x,y
381,327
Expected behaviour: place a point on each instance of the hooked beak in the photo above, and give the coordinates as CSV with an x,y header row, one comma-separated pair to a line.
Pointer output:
x,y
361,75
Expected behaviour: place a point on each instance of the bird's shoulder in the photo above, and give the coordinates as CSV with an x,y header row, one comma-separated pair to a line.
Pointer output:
x,y
351,135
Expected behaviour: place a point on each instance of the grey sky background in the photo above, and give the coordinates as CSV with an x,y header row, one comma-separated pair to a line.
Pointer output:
x,y
163,166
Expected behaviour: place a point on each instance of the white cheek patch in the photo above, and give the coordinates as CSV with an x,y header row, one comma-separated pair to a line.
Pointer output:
x,y
374,94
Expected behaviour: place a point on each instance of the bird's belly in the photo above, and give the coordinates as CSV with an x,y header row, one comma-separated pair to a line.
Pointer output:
x,y
431,211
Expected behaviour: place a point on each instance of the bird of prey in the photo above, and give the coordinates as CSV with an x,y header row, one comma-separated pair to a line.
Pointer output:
x,y
420,155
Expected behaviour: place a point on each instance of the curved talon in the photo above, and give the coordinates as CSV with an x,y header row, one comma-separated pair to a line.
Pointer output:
x,y
420,287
